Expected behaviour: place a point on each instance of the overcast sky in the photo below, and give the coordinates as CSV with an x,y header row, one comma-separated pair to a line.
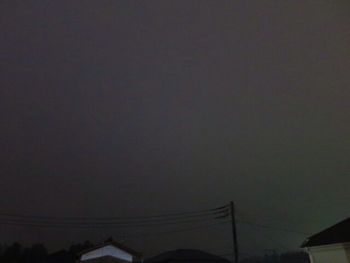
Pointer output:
x,y
122,108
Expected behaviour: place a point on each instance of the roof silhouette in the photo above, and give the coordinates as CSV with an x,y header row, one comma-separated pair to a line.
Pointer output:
x,y
184,255
338,233
114,243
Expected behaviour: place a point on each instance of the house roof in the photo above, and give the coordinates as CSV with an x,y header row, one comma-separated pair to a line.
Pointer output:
x,y
338,233
111,242
183,255
105,259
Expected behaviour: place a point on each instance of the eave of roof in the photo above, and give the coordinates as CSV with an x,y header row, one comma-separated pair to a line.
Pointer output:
x,y
105,259
338,233
115,244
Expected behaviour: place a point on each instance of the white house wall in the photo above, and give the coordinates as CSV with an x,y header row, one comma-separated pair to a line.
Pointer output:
x,y
330,254
108,250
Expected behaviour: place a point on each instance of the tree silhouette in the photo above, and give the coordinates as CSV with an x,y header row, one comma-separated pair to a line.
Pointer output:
x,y
36,253
12,253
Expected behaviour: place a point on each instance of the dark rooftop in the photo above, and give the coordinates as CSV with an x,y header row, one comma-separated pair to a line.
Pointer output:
x,y
339,233
184,255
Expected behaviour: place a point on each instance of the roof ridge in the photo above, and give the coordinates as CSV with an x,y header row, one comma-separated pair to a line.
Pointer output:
x,y
115,244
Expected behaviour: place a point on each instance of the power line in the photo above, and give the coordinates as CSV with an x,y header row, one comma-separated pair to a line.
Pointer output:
x,y
271,228
95,225
175,231
216,215
269,217
197,213
166,219
69,222
283,229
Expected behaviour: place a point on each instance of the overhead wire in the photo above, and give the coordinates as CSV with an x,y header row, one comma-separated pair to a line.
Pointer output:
x,y
176,231
151,217
102,225
114,222
265,226
287,230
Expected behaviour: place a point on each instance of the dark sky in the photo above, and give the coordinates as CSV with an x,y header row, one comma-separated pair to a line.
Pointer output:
x,y
142,107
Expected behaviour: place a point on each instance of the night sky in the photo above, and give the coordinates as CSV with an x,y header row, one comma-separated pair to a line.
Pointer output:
x,y
127,108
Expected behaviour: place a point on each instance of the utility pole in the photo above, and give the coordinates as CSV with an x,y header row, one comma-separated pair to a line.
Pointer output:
x,y
234,233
